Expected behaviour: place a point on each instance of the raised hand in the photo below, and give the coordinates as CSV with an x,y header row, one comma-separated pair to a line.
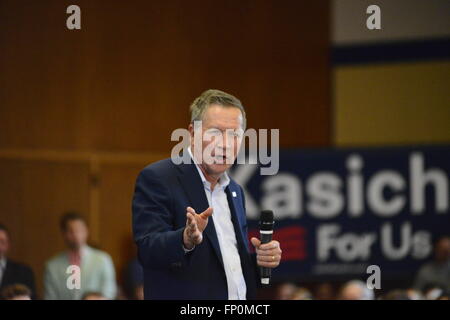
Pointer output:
x,y
195,225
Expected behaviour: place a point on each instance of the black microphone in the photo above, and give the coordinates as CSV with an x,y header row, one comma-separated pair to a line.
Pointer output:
x,y
266,230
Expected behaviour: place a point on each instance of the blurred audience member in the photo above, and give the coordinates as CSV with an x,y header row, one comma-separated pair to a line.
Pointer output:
x,y
285,291
12,272
445,295
324,291
16,292
396,294
134,280
414,294
97,269
356,290
437,272
302,294
432,292
93,296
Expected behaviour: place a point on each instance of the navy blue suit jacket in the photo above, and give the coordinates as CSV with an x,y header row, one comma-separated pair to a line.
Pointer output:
x,y
162,193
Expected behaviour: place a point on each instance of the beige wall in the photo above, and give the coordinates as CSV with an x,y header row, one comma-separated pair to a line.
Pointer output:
x,y
390,104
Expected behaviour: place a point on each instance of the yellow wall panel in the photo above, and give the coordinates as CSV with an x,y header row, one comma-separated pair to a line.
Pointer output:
x,y
404,103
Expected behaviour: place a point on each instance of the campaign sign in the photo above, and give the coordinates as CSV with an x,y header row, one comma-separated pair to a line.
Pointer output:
x,y
338,211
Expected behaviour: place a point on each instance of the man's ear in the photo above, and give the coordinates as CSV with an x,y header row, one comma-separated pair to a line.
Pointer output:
x,y
191,130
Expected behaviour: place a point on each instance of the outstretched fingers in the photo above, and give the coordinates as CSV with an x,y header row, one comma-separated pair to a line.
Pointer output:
x,y
207,213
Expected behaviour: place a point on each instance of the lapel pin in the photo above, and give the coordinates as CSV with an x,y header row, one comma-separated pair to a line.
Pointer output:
x,y
234,194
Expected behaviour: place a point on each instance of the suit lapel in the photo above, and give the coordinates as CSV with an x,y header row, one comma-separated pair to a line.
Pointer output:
x,y
192,184
247,266
233,202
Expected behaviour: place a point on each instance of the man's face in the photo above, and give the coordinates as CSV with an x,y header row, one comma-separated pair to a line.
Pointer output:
x,y
76,234
4,243
221,138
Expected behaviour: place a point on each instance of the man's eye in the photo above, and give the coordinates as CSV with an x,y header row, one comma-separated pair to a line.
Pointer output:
x,y
213,132
236,134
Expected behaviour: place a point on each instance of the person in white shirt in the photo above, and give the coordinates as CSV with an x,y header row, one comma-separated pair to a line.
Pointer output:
x,y
96,269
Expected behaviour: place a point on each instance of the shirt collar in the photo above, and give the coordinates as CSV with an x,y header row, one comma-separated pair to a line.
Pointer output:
x,y
224,179
84,250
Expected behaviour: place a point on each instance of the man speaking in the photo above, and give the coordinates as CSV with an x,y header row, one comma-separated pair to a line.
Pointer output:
x,y
189,220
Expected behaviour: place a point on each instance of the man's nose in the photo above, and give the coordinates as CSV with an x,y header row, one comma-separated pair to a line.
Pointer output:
x,y
225,142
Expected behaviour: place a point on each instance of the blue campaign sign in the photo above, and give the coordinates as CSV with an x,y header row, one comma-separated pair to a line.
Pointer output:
x,y
338,211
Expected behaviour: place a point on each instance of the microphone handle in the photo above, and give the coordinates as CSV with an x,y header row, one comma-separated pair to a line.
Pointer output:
x,y
266,237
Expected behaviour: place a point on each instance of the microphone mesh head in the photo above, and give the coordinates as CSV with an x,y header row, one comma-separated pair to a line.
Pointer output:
x,y
266,222
267,216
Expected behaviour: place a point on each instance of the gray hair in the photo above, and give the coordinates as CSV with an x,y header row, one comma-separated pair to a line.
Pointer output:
x,y
212,96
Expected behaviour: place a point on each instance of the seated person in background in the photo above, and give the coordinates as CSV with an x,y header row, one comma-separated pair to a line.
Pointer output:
x,y
13,272
302,294
445,295
324,291
356,290
396,294
437,272
414,294
134,280
93,296
15,292
286,290
432,292
97,269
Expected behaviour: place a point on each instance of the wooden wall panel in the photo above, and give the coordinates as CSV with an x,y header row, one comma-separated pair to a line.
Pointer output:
x,y
33,195
116,191
126,79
